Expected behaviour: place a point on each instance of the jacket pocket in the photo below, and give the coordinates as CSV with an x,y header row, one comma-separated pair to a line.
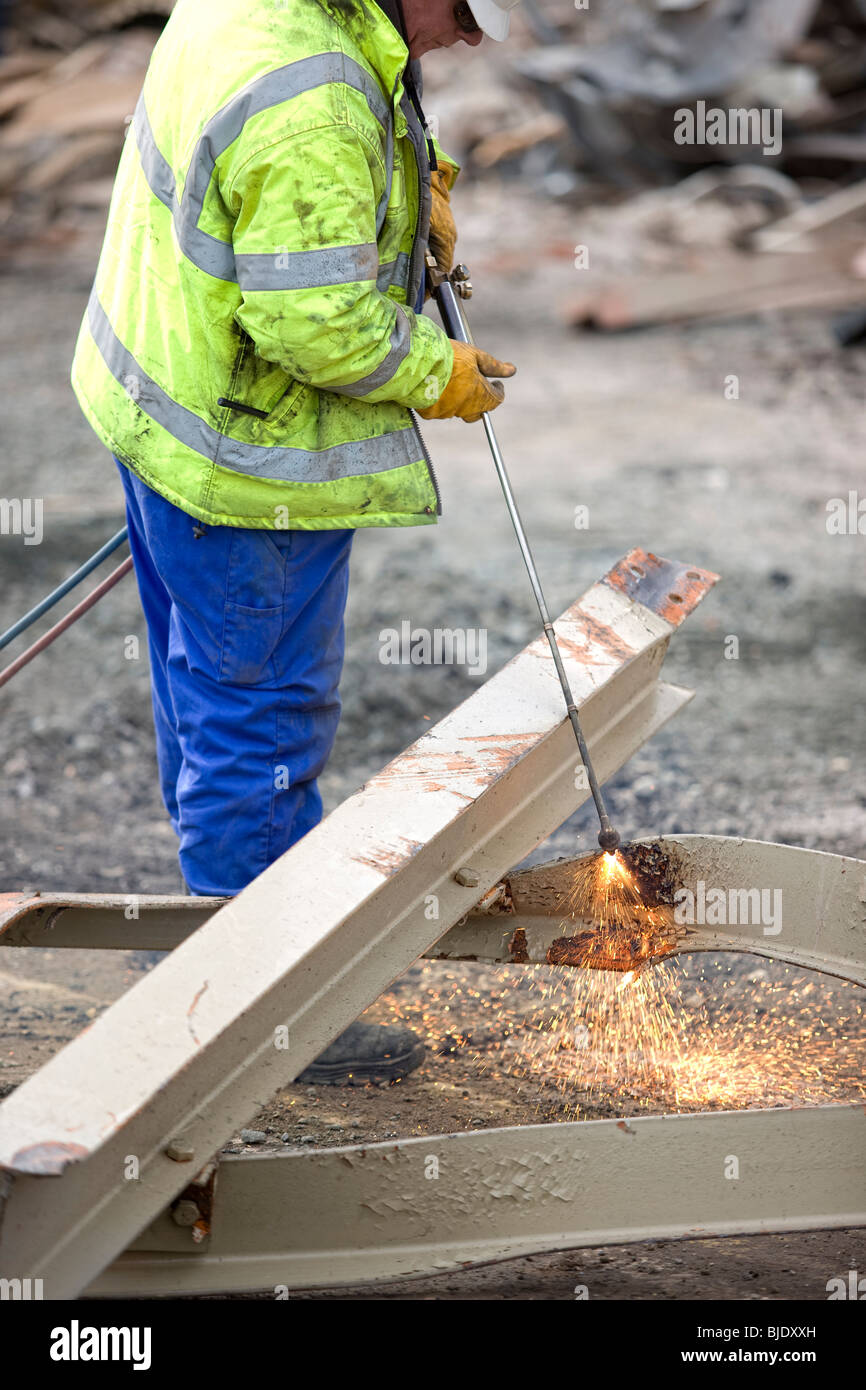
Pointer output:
x,y
249,420
254,619
250,639
261,396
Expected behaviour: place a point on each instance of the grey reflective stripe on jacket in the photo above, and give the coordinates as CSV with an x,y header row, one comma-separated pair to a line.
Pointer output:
x,y
394,272
307,270
399,344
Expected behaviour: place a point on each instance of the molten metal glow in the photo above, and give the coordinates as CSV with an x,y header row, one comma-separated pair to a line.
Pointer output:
x,y
616,928
605,892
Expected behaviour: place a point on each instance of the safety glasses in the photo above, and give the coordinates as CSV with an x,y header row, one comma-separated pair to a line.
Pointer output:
x,y
465,18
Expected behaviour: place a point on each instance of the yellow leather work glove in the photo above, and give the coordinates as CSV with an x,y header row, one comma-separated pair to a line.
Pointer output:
x,y
442,237
469,393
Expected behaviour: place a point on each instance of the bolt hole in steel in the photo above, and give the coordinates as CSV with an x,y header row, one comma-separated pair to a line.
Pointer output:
x,y
693,574
637,571
675,598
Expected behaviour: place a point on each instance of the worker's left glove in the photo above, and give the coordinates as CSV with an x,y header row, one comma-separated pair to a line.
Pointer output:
x,y
469,392
442,237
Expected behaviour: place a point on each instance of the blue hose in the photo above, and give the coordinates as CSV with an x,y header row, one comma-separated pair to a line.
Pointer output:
x,y
57,594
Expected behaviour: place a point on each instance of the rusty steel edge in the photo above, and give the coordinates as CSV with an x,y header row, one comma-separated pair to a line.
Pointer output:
x,y
666,587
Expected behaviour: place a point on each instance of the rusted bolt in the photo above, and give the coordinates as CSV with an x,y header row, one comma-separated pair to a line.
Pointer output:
x,y
467,877
180,1151
185,1212
203,1178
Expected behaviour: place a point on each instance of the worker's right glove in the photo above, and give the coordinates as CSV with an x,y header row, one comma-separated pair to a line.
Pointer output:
x,y
469,393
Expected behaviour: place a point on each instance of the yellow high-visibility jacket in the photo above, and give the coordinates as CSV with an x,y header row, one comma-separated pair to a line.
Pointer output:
x,y
248,348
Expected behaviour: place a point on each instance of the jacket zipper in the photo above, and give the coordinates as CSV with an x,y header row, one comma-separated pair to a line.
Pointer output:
x,y
428,462
420,187
427,459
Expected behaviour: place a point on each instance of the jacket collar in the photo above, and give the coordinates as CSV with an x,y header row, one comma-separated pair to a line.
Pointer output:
x,y
376,34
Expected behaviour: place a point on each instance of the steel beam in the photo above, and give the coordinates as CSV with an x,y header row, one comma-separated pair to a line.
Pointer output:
x,y
822,923
252,996
432,1205
797,905
310,1220
104,921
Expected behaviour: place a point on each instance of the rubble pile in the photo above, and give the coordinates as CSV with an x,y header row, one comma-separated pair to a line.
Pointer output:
x,y
70,75
715,149
638,102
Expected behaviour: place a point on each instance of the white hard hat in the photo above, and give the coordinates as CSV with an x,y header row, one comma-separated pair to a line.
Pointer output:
x,y
493,16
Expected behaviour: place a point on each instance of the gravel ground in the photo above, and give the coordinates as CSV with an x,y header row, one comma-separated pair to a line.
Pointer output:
x,y
635,427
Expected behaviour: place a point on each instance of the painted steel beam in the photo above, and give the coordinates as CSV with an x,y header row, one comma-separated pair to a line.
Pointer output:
x,y
778,901
441,1203
251,997
105,921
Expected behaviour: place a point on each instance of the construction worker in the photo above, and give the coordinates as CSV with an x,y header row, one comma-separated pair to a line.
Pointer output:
x,y
250,355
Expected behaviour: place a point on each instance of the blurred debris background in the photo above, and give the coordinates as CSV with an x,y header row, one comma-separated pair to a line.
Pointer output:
x,y
595,126
581,105
70,75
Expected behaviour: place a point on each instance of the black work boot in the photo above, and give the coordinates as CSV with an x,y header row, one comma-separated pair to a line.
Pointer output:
x,y
366,1052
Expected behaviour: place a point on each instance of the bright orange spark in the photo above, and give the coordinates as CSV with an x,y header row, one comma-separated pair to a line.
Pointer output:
x,y
682,1035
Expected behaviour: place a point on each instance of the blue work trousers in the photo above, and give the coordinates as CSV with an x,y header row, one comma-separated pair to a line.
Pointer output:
x,y
246,638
